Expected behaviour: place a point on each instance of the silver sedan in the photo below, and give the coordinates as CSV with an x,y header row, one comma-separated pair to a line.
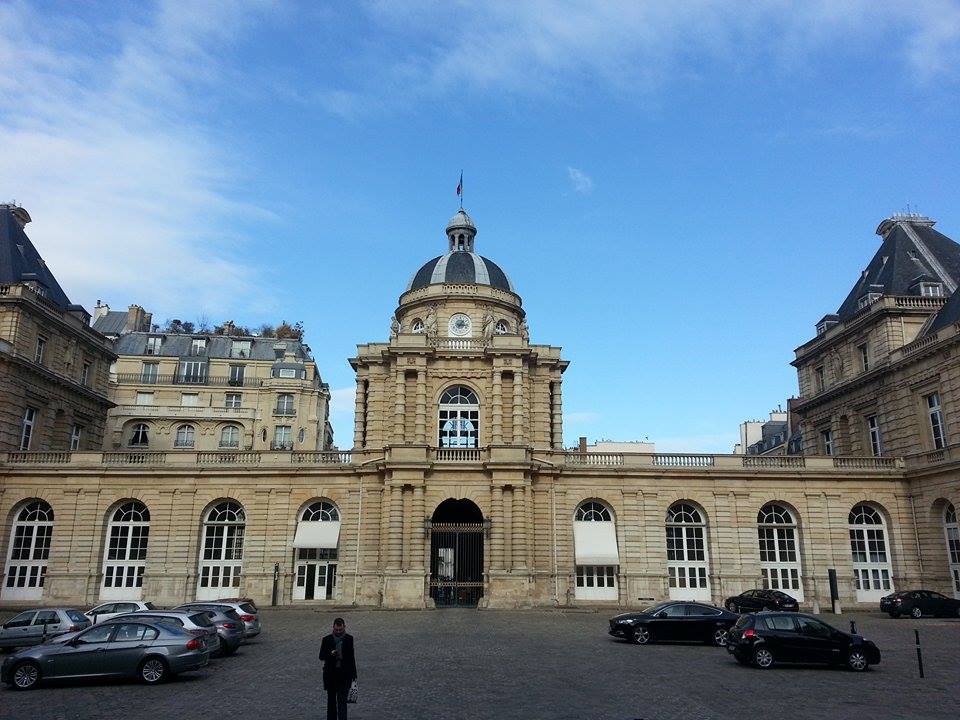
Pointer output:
x,y
152,652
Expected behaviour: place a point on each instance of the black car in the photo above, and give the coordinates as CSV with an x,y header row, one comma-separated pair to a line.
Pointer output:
x,y
919,603
774,637
756,600
675,621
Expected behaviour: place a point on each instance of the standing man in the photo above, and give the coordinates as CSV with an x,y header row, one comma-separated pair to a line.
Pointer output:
x,y
339,669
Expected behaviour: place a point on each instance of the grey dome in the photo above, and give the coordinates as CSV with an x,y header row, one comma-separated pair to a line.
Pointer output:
x,y
461,220
460,266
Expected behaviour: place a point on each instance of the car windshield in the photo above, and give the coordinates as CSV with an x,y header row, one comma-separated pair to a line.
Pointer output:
x,y
743,621
248,608
77,616
656,608
150,606
201,619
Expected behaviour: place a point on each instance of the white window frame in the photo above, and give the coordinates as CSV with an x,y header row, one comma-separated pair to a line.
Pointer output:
x,y
779,547
688,558
221,551
864,357
192,372
233,401
125,552
931,290
935,415
141,430
282,437
951,530
826,441
873,430
26,428
235,443
40,350
85,372
287,373
149,372
241,348
321,558
76,433
28,552
286,404
870,553
153,345
185,436
198,347
458,418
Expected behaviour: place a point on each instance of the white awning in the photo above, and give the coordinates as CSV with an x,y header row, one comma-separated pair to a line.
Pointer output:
x,y
317,534
595,542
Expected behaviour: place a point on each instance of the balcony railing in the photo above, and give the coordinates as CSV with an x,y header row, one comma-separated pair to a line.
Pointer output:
x,y
284,411
335,457
774,461
240,457
149,379
458,343
605,459
134,458
865,463
458,454
281,445
677,460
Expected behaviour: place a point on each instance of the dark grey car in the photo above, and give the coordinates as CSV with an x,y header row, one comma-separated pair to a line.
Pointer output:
x,y
195,622
32,627
152,652
230,628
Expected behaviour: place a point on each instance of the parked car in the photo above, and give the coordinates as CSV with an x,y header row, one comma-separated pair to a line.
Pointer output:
x,y
230,628
112,609
32,627
774,637
675,621
247,612
151,652
197,623
756,600
246,600
919,603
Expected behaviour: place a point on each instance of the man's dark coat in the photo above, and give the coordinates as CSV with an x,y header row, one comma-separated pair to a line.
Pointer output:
x,y
334,677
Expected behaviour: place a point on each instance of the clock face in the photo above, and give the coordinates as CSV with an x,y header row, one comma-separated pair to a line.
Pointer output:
x,y
459,325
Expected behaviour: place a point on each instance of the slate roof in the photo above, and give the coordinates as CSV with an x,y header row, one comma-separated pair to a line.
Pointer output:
x,y
947,315
218,346
112,323
20,261
460,266
912,251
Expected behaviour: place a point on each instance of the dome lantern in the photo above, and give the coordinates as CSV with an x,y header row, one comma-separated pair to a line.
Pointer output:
x,y
461,232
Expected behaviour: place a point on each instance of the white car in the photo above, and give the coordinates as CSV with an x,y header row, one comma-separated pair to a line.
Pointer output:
x,y
112,609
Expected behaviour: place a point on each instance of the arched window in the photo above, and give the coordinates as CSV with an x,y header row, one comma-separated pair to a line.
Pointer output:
x,y
140,435
221,557
230,436
184,436
868,546
952,530
596,554
29,552
315,545
417,326
688,569
459,419
125,554
779,558
501,328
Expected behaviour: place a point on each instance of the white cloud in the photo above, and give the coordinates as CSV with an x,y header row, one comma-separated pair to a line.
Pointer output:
x,y
105,147
582,183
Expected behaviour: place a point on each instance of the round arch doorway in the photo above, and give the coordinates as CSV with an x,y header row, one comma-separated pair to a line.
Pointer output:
x,y
456,554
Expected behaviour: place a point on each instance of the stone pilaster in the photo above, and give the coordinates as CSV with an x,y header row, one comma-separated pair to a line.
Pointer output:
x,y
395,533
497,421
421,423
359,413
556,416
497,529
518,407
398,407
518,528
419,539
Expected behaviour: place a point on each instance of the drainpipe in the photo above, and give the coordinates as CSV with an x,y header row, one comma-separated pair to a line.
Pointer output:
x,y
916,534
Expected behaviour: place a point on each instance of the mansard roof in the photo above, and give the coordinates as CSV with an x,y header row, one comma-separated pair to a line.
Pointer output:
x,y
911,252
218,346
19,260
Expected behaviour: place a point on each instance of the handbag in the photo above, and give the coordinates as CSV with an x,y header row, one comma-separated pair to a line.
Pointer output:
x,y
352,692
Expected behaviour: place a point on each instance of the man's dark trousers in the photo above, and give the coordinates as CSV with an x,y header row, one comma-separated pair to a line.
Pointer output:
x,y
338,676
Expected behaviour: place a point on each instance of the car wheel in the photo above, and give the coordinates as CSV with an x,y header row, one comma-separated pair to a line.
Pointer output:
x,y
25,676
732,607
720,637
857,661
641,635
762,658
916,612
153,671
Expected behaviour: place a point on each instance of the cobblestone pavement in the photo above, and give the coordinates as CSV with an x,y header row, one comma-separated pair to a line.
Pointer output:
x,y
528,664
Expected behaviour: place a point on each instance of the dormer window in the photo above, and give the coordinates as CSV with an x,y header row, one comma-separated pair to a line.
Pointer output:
x,y
931,289
867,300
240,349
153,346
198,346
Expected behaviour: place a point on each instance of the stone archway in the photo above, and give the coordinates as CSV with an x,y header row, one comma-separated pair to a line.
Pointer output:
x,y
456,554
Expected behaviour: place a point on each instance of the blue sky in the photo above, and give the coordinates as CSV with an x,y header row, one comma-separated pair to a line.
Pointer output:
x,y
678,190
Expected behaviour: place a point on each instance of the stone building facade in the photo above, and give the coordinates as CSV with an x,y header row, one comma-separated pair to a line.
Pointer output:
x,y
458,491
216,393
53,366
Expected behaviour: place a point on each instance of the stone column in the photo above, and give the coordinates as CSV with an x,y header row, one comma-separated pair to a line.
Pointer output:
x,y
359,416
556,418
497,403
496,529
506,512
518,528
398,407
419,539
395,534
421,424
518,407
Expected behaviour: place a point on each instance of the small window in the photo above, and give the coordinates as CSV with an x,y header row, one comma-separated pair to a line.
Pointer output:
x,y
236,374
931,290
149,373
144,398
233,400
75,434
819,379
40,349
184,437
283,437
240,349
826,442
301,435
85,374
287,373
935,414
864,357
230,437
198,346
285,404
417,326
501,328
873,429
140,437
153,346
26,429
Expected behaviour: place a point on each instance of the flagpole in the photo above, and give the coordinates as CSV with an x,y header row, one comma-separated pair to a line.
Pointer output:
x,y
461,189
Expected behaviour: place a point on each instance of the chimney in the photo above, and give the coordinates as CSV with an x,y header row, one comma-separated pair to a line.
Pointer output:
x,y
100,310
583,444
19,214
135,319
229,328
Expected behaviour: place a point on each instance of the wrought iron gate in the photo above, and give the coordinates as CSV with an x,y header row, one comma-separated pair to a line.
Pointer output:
x,y
456,564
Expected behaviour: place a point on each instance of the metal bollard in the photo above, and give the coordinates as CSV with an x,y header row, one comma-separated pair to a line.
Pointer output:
x,y
276,583
853,627
919,654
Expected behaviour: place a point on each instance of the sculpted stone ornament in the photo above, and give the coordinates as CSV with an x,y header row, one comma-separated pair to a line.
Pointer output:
x,y
524,331
489,322
394,327
430,322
